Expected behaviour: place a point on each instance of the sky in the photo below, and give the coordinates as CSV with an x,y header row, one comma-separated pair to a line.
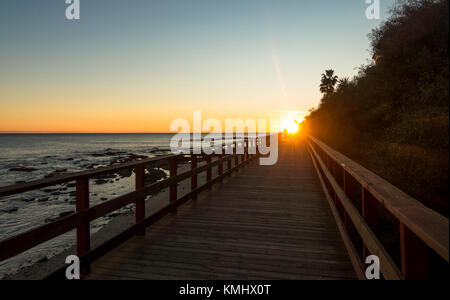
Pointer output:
x,y
137,65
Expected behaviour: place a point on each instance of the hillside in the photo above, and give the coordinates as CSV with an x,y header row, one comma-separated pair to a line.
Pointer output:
x,y
393,117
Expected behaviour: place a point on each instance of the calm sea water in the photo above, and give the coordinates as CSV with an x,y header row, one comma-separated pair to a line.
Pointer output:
x,y
25,157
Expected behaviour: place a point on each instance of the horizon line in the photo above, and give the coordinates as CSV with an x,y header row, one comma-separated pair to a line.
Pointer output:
x,y
75,132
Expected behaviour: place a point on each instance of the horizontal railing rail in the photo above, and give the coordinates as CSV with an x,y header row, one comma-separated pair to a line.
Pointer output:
x,y
84,214
421,229
65,178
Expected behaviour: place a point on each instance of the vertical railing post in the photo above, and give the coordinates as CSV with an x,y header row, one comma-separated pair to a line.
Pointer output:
x,y
249,150
209,170
334,171
173,187
370,215
252,155
194,177
229,157
236,156
414,255
256,148
349,189
140,202
246,151
83,231
220,167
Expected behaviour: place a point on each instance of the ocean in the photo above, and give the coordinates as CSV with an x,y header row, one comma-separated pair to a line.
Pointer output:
x,y
26,157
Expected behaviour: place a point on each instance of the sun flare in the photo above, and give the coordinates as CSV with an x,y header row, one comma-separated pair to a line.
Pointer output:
x,y
289,125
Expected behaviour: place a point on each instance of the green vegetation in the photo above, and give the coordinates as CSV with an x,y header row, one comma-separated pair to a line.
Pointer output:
x,y
393,117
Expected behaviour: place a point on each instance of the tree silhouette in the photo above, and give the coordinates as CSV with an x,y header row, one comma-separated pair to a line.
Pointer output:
x,y
343,84
328,82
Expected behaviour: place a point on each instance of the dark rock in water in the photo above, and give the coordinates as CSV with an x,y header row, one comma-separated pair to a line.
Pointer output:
x,y
56,193
108,152
66,213
105,176
45,199
22,169
69,159
132,156
125,159
162,164
49,220
103,199
113,215
101,181
159,151
56,173
91,166
10,210
114,153
125,173
61,215
97,154
154,176
26,199
44,259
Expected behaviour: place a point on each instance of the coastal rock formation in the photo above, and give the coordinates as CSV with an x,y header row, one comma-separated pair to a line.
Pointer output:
x,y
22,169
154,175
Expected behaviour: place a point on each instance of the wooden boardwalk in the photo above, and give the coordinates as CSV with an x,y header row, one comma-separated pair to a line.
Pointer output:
x,y
266,222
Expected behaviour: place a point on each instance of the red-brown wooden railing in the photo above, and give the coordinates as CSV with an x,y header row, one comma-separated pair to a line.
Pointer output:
x,y
85,214
422,230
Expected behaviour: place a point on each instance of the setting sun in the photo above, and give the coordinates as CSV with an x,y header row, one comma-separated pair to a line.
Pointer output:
x,y
290,125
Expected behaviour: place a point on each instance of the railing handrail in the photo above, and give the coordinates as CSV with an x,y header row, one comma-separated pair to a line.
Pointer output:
x,y
22,187
427,224
87,174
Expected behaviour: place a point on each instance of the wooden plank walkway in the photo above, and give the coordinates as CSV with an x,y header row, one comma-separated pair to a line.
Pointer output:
x,y
266,222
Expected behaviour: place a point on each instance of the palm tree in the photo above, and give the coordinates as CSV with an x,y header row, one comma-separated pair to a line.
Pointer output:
x,y
328,82
343,84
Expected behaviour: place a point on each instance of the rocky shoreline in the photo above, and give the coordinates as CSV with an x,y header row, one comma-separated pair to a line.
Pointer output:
x,y
154,173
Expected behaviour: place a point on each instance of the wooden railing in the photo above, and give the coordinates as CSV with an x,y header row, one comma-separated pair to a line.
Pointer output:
x,y
422,231
85,214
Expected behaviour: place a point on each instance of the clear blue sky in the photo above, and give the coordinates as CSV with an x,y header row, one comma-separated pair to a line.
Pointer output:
x,y
130,59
